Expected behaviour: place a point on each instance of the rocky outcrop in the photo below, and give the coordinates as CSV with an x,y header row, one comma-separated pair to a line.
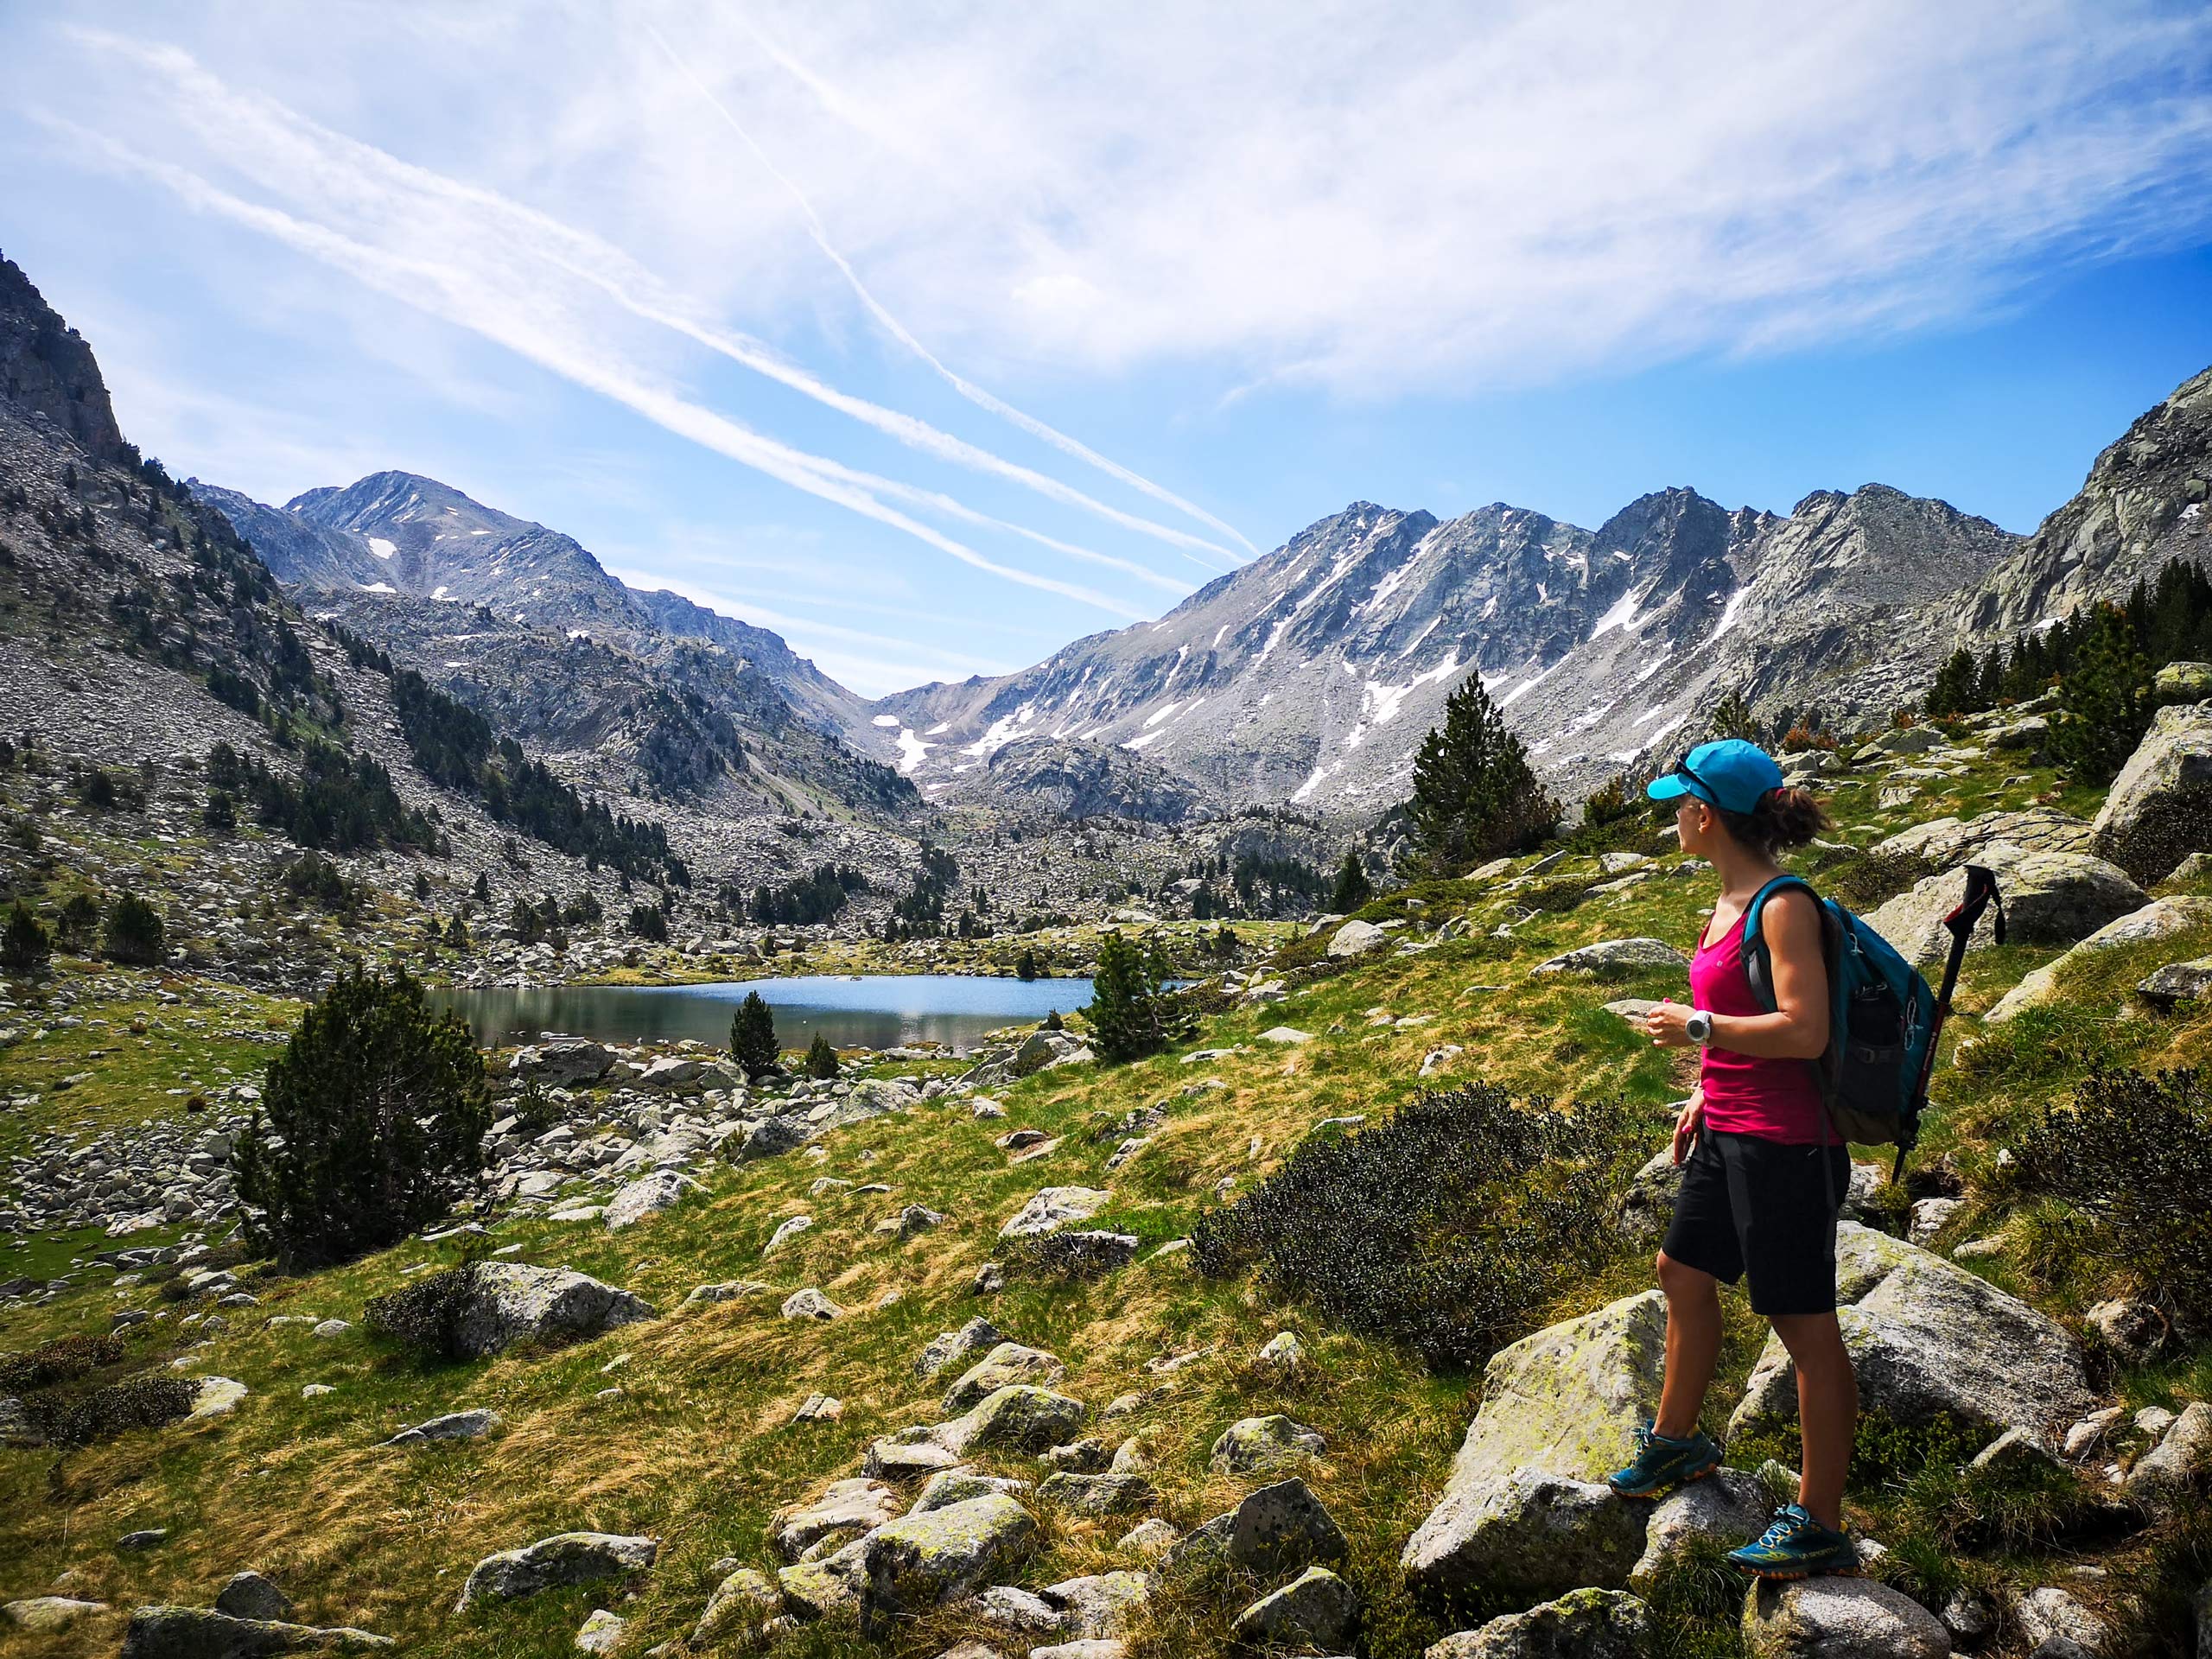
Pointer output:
x,y
1581,1625
846,1509
1278,1528
1055,1208
1005,1365
196,1633
46,368
1524,1508
1317,1610
1611,955
1839,1618
1929,1339
2156,920
924,1561
508,1302
2160,808
2049,899
648,1196
565,1558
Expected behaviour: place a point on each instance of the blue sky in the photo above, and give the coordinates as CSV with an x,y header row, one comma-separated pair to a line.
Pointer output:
x,y
937,338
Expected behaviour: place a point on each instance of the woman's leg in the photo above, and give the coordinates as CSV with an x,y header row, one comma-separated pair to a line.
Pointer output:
x,y
1693,1345
1828,1409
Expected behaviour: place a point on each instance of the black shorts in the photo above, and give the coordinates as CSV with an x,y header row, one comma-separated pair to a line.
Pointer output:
x,y
1762,1208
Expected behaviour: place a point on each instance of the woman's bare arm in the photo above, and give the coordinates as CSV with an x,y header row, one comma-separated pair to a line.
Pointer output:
x,y
1798,1029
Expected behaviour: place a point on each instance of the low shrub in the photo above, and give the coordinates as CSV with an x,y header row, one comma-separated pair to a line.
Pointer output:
x,y
2133,1155
1064,1256
1864,880
1450,1228
63,1360
145,1401
1561,894
425,1315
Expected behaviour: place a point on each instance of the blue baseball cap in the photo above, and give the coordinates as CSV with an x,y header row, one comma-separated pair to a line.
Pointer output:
x,y
1729,774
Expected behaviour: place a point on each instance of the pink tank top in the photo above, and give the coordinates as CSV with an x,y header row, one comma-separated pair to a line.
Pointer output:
x,y
1744,1094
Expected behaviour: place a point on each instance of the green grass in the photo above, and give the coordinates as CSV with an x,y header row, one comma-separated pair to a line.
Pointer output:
x,y
699,1451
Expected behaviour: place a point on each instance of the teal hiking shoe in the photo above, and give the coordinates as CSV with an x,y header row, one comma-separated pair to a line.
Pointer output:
x,y
1797,1547
1662,1465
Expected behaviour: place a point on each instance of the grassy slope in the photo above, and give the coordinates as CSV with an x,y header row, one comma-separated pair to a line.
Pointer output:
x,y
698,1451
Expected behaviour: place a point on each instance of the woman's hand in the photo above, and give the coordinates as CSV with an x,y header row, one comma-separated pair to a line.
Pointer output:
x,y
1687,1123
1668,1024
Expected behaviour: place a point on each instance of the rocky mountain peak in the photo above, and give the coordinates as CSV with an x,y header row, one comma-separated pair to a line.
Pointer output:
x,y
46,368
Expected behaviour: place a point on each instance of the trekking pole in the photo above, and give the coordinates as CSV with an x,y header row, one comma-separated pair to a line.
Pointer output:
x,y
1965,917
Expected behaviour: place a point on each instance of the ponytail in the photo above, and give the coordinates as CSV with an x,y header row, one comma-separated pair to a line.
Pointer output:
x,y
1784,817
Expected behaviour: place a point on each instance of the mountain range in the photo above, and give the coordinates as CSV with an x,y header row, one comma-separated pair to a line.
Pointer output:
x,y
1307,676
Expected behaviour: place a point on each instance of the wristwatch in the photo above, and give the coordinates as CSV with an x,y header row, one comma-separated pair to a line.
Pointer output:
x,y
1699,1026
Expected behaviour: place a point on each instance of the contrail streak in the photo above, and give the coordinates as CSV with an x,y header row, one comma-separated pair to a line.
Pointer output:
x,y
898,330
258,133
455,295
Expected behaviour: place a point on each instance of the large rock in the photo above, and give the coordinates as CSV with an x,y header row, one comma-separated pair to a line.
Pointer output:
x,y
1019,1418
744,1603
1004,1366
196,1633
1253,1443
2175,1475
1839,1618
566,1558
1357,938
951,1348
1581,1625
2049,899
2181,683
1054,1208
924,1561
766,1137
2030,829
1728,1506
1524,1508
1107,1494
471,1425
2156,920
1929,1339
563,1061
1278,1528
44,1615
846,1509
506,1302
2159,810
1611,955
648,1196
2179,982
1317,1610
248,1595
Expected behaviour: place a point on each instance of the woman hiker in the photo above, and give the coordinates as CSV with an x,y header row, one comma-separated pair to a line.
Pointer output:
x,y
1761,1168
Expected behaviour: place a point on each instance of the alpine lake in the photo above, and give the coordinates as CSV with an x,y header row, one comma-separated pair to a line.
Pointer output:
x,y
853,1011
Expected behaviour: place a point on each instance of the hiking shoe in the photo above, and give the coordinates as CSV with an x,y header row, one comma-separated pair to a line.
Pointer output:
x,y
1662,1465
1796,1546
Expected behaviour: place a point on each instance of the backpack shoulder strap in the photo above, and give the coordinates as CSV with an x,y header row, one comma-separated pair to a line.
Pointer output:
x,y
1759,964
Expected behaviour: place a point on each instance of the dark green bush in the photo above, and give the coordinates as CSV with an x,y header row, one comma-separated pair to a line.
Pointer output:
x,y
1863,880
425,1315
63,1360
1450,1228
144,1401
377,1108
2133,1155
821,1059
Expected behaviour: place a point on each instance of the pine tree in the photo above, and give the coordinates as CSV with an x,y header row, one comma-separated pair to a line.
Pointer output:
x,y
821,1059
753,1036
1352,888
79,919
133,933
2103,700
372,1123
1475,795
1132,1012
1956,682
1024,965
24,947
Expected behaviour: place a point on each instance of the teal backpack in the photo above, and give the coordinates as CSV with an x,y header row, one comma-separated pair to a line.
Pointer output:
x,y
1883,1018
